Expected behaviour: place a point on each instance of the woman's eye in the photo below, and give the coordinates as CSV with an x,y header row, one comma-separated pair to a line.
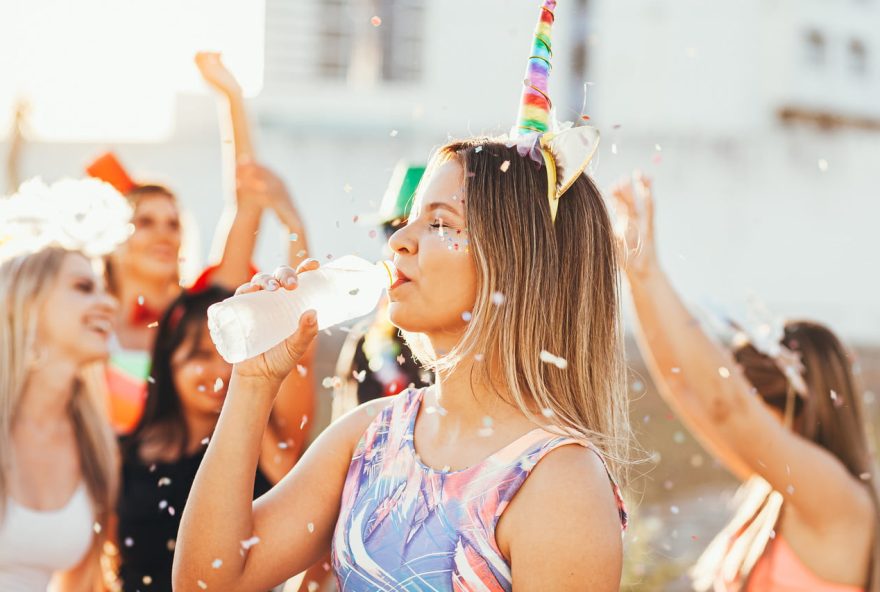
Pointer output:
x,y
143,222
86,287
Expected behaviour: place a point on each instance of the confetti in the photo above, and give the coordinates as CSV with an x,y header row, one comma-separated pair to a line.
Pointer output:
x,y
151,380
547,412
613,148
372,234
164,481
675,370
354,292
658,148
823,165
400,359
724,372
247,544
466,316
836,399
147,580
153,325
486,430
505,165
375,21
205,441
218,385
202,585
865,476
678,437
303,421
302,370
170,544
311,527
393,133
478,149
347,188
673,509
557,361
313,586
497,298
128,542
141,300
294,237
479,357
359,376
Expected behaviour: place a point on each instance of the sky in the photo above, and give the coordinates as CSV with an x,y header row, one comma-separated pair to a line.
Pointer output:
x,y
109,70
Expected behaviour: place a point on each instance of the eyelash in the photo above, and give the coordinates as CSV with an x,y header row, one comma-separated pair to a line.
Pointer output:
x,y
87,288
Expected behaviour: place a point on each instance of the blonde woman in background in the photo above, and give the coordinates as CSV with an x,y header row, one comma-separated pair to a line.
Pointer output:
x,y
781,413
58,467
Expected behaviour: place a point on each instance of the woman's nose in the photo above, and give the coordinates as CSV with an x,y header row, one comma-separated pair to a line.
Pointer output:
x,y
402,241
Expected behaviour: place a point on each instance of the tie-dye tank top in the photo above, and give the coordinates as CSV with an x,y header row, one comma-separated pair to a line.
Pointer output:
x,y
404,526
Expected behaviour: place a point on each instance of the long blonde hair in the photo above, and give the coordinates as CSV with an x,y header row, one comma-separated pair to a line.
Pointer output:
x,y
560,288
24,282
834,422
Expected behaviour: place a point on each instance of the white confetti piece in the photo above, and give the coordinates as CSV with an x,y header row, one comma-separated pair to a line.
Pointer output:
x,y
218,385
164,481
247,544
217,563
723,372
557,361
505,165
497,298
310,527
202,585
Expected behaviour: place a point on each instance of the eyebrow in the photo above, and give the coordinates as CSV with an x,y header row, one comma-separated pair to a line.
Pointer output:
x,y
439,205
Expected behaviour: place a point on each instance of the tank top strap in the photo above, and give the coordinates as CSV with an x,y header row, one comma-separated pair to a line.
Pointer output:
x,y
523,454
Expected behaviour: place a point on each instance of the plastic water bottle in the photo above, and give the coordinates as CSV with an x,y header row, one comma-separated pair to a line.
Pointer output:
x,y
247,325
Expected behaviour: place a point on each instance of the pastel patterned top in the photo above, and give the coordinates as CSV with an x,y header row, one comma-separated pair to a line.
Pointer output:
x,y
403,526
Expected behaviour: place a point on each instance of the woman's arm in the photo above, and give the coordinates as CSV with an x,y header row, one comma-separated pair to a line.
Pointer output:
x,y
228,542
240,220
703,383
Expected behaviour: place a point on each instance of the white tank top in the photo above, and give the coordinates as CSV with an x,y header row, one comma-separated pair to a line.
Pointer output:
x,y
36,544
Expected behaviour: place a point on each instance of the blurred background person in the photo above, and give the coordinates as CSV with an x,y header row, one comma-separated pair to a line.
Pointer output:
x,y
782,412
144,273
163,453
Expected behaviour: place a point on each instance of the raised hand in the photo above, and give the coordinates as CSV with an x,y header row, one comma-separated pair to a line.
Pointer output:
x,y
635,223
216,74
278,362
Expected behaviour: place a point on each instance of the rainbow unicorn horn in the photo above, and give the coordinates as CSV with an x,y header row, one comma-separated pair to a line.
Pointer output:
x,y
535,105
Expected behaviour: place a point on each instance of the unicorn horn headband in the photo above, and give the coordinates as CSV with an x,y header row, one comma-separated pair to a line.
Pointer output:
x,y
565,150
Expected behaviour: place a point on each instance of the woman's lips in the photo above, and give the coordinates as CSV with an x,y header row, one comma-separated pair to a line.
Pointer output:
x,y
401,279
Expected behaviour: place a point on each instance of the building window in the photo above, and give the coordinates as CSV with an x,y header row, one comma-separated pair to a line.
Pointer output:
x,y
357,41
368,41
858,57
815,48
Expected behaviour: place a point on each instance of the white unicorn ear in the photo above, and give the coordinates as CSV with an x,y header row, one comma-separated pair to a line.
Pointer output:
x,y
572,151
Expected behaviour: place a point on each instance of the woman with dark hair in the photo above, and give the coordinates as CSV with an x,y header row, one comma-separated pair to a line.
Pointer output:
x,y
781,411
160,458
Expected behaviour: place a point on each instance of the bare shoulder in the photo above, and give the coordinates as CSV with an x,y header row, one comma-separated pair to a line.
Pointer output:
x,y
563,526
349,428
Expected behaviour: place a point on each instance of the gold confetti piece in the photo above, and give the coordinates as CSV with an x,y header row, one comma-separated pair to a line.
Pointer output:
x,y
153,325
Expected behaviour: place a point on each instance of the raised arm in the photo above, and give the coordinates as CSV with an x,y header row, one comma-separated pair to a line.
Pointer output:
x,y
701,381
228,542
236,234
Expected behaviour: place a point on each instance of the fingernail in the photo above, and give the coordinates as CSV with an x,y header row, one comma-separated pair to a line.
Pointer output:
x,y
271,285
290,281
312,318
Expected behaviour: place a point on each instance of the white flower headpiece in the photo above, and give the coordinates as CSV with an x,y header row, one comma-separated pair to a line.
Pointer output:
x,y
88,215
765,333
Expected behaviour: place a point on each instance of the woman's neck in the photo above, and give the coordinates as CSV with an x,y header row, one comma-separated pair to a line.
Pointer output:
x,y
469,404
47,393
198,427
156,295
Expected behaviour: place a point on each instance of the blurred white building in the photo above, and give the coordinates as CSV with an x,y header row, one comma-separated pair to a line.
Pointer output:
x,y
760,121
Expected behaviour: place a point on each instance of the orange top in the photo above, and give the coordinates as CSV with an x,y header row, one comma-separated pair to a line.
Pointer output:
x,y
780,570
